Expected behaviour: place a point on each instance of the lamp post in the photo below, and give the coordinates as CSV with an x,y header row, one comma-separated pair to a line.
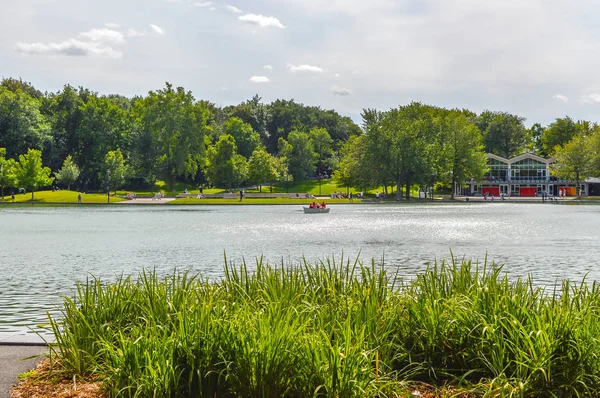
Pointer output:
x,y
319,179
107,186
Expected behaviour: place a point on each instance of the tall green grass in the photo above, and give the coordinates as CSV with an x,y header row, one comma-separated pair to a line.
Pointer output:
x,y
332,329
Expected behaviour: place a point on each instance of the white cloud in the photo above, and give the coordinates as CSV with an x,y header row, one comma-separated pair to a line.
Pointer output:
x,y
104,35
112,25
233,9
344,92
71,47
134,33
305,68
259,79
203,4
337,75
261,20
593,98
157,29
560,97
268,67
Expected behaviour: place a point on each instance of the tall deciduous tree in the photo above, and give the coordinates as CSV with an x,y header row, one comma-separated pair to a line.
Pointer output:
x,y
22,126
574,160
353,169
503,134
262,167
8,178
246,139
176,124
113,171
463,153
322,145
558,133
301,157
30,173
221,162
69,173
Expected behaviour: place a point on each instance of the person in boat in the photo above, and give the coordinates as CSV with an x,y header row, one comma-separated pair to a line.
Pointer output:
x,y
323,205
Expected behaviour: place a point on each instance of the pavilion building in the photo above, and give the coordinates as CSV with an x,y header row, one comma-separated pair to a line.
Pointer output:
x,y
523,175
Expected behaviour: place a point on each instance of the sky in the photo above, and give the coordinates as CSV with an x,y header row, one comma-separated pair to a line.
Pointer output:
x,y
535,58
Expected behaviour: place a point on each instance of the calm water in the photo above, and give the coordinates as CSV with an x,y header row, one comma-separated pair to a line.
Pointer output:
x,y
43,251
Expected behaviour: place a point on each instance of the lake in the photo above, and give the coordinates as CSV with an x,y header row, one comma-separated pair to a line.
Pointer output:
x,y
45,250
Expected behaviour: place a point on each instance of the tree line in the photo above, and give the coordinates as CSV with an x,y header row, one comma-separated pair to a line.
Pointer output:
x,y
102,142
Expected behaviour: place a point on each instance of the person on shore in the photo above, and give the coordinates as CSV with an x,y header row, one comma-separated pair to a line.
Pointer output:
x,y
350,197
241,195
13,196
79,198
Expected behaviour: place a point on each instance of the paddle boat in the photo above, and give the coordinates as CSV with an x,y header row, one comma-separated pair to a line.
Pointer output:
x,y
310,210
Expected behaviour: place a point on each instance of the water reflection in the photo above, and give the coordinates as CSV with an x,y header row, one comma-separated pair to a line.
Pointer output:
x,y
43,251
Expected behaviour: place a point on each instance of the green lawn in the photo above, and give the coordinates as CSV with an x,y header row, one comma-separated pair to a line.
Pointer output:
x,y
63,196
251,201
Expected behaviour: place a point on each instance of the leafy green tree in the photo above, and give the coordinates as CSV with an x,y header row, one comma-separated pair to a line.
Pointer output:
x,y
174,124
534,138
322,145
113,171
69,173
240,170
561,131
63,112
22,126
8,177
574,160
353,169
104,127
503,134
262,168
30,173
301,157
221,163
246,139
463,152
255,113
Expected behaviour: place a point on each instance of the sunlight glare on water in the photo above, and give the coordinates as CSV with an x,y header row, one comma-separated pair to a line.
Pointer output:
x,y
45,250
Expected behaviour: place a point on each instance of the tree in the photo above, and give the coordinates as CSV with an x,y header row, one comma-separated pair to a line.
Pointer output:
x,y
503,134
262,167
353,170
301,157
221,163
462,151
574,160
176,125
114,170
8,177
561,131
69,173
246,139
322,145
535,134
103,127
30,173
22,126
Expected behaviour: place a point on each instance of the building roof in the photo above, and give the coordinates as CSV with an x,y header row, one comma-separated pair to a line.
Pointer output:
x,y
526,155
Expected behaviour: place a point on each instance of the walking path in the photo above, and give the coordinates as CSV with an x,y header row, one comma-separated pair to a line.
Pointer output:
x,y
146,201
13,362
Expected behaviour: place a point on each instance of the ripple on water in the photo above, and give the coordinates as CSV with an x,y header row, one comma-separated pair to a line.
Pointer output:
x,y
49,249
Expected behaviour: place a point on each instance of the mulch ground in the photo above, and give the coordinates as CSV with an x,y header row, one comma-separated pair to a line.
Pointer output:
x,y
44,384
